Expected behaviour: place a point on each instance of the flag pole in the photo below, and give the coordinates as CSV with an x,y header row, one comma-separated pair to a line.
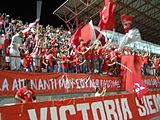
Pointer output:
x,y
124,66
113,32
39,5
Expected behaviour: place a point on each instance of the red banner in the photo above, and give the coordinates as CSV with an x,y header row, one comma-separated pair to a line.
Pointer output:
x,y
152,81
115,107
55,83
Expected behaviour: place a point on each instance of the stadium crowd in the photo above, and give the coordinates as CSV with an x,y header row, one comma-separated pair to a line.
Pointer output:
x,y
34,47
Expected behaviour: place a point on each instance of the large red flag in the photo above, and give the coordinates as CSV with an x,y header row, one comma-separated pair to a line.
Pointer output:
x,y
138,86
132,77
107,21
88,33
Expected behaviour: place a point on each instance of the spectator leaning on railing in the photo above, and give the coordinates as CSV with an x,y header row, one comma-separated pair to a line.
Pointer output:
x,y
25,94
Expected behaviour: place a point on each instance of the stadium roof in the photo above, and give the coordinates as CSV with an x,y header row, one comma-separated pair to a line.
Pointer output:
x,y
145,12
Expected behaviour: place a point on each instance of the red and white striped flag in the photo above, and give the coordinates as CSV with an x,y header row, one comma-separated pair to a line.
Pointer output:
x,y
88,33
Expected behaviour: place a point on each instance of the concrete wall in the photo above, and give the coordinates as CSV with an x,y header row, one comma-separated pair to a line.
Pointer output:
x,y
11,100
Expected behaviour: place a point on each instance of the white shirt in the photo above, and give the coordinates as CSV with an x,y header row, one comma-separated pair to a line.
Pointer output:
x,y
97,94
15,44
16,41
132,36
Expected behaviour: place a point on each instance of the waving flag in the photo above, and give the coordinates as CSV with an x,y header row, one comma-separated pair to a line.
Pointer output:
x,y
107,21
75,38
139,87
88,33
132,78
100,36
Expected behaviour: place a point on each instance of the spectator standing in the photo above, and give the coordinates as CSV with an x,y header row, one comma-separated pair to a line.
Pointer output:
x,y
81,51
15,45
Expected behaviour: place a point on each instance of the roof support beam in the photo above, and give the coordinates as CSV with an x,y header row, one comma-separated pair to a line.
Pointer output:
x,y
137,11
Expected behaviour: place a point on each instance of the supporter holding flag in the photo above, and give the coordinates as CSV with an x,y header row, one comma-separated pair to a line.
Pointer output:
x,y
81,50
132,34
15,45
88,36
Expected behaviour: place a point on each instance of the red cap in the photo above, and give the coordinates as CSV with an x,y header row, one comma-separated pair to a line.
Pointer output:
x,y
126,22
125,17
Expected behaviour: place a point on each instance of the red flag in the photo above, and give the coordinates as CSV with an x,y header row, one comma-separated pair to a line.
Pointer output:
x,y
132,77
75,37
88,33
107,21
139,87
102,39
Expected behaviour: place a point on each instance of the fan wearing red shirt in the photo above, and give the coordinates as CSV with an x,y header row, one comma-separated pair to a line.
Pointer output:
x,y
25,94
145,63
100,53
65,63
107,64
81,51
49,61
27,62
76,62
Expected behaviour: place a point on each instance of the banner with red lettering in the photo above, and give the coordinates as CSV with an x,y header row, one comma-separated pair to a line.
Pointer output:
x,y
113,107
55,83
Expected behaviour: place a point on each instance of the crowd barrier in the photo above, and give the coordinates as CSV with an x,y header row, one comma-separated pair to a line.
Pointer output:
x,y
113,107
57,83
